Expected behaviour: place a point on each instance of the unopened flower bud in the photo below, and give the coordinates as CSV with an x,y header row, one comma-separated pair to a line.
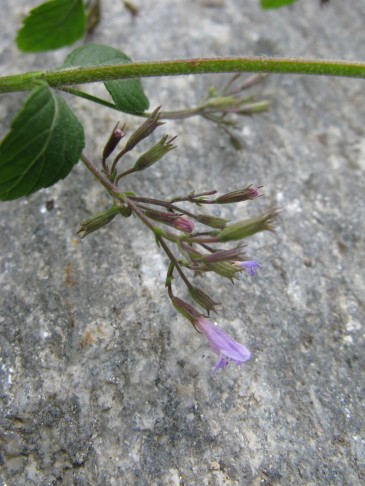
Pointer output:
x,y
183,224
224,255
255,107
248,227
212,221
177,221
202,298
225,269
249,192
97,221
154,154
185,309
164,217
144,130
113,141
221,103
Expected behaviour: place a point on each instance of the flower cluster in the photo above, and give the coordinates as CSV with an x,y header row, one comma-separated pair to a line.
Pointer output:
x,y
191,239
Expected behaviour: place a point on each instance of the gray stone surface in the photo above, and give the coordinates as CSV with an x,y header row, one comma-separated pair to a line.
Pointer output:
x,y
101,382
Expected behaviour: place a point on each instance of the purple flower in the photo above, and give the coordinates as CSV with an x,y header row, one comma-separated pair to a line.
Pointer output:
x,y
183,224
223,345
251,267
252,192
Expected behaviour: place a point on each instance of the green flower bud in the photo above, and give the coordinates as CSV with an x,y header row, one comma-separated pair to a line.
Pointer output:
x,y
164,217
185,309
97,221
256,107
223,255
154,154
248,227
249,192
212,221
221,102
202,299
224,269
144,130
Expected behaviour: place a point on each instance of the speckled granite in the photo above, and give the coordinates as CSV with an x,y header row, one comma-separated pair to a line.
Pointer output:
x,y
101,381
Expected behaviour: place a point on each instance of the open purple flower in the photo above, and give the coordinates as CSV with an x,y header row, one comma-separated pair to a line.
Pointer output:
x,y
251,267
223,345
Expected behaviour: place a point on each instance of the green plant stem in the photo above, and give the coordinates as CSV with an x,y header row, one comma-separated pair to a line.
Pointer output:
x,y
134,207
140,214
125,173
175,262
87,96
196,198
248,108
169,278
109,186
62,77
201,239
178,114
167,115
166,204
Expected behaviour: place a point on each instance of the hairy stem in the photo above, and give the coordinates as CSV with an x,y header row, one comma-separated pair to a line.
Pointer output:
x,y
134,207
168,115
111,188
165,204
87,96
175,262
61,77
159,239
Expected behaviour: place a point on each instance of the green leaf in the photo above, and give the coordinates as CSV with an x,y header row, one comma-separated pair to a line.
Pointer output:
x,y
266,4
51,25
44,143
127,94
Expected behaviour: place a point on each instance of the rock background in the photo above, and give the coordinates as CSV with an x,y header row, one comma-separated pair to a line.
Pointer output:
x,y
101,381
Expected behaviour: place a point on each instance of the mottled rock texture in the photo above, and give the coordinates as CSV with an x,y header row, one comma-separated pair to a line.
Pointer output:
x,y
101,381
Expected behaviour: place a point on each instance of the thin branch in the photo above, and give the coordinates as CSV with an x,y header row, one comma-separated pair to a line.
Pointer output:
x,y
175,262
87,96
101,178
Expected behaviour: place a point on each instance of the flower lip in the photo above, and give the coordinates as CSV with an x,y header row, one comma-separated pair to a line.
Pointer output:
x,y
226,348
251,267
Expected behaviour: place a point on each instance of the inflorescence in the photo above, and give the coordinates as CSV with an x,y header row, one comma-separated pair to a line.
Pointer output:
x,y
191,239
